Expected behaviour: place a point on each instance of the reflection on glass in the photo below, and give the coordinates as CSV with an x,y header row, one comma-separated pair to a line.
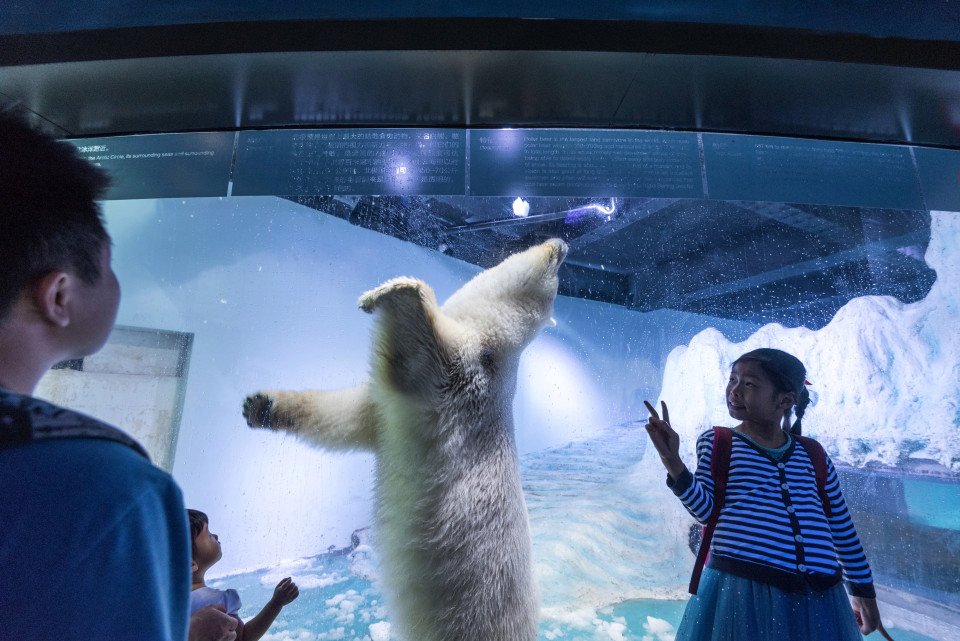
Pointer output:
x,y
658,295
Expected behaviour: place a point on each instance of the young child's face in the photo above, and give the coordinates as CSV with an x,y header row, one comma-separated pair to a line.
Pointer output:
x,y
751,395
206,548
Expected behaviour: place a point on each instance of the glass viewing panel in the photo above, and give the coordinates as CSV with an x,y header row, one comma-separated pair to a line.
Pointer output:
x,y
686,250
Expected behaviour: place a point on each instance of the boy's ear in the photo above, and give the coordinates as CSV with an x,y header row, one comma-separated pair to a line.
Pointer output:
x,y
193,565
51,297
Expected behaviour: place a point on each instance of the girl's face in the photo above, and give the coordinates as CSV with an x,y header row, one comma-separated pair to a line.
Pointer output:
x,y
752,397
206,548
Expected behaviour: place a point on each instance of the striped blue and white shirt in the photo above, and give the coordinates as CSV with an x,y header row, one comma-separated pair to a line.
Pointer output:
x,y
772,526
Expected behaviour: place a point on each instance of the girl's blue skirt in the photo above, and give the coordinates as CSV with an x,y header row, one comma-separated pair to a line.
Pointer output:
x,y
732,608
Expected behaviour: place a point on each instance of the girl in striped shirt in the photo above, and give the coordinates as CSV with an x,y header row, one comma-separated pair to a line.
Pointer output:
x,y
781,543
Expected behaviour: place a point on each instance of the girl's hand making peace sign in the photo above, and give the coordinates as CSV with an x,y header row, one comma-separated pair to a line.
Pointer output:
x,y
665,439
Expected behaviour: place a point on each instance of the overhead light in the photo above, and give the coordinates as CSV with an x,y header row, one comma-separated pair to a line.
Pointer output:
x,y
521,208
606,210
577,213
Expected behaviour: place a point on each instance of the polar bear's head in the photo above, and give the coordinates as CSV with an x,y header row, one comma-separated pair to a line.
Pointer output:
x,y
509,303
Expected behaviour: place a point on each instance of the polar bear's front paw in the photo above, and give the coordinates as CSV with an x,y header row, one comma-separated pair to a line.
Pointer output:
x,y
403,285
258,409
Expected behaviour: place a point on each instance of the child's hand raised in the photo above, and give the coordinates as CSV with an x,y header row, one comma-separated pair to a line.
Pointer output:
x,y
285,592
665,439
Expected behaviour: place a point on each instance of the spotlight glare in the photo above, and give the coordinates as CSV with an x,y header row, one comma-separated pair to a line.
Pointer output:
x,y
521,208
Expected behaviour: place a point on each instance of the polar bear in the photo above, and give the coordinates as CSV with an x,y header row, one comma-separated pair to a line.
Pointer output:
x,y
451,521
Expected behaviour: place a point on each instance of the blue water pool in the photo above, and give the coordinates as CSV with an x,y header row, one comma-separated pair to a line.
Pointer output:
x,y
339,602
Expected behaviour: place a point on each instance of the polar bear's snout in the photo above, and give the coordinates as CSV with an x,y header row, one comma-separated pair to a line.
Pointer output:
x,y
559,249
557,252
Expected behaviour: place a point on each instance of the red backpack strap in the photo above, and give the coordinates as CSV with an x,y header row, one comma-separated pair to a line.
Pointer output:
x,y
719,469
819,459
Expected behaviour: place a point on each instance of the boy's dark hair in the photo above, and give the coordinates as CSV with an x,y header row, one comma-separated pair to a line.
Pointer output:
x,y
787,374
49,217
197,520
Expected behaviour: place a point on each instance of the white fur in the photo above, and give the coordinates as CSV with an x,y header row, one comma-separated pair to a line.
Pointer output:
x,y
451,522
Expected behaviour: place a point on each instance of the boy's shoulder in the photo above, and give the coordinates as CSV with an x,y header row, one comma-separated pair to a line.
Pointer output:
x,y
40,438
25,419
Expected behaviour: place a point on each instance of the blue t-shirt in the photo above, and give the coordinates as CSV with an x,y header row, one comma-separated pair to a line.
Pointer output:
x,y
94,542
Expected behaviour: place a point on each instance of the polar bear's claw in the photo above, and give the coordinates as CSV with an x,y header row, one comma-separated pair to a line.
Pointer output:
x,y
257,409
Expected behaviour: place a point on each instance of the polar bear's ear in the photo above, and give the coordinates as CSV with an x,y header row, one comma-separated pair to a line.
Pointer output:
x,y
398,295
411,349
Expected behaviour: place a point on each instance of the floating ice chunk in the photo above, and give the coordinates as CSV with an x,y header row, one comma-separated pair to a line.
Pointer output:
x,y
615,630
308,581
342,607
380,631
363,563
574,617
300,571
299,634
658,630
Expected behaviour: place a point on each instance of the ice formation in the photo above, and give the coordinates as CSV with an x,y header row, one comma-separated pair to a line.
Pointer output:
x,y
885,375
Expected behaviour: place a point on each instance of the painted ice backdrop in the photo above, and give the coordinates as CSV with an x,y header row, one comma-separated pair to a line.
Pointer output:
x,y
885,375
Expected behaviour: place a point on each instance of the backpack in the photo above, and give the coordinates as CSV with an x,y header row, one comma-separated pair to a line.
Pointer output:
x,y
720,468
